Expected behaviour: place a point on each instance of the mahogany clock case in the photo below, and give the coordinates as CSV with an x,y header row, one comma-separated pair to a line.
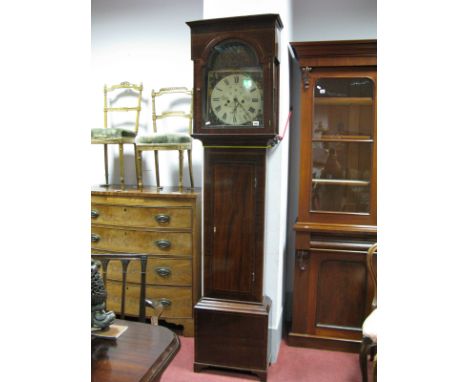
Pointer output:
x,y
236,78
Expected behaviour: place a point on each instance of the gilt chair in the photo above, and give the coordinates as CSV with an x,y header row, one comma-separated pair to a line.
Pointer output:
x,y
369,327
172,126
124,277
127,98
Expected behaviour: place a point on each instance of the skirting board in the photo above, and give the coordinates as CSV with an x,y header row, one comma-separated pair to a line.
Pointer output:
x,y
275,335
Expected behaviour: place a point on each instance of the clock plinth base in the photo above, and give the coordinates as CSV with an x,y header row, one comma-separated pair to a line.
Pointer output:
x,y
232,335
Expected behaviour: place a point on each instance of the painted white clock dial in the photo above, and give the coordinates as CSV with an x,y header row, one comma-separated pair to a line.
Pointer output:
x,y
237,100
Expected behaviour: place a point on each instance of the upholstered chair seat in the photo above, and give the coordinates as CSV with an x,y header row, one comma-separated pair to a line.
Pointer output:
x,y
171,138
369,328
110,133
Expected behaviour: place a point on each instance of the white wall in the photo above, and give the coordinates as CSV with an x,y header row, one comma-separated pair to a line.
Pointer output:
x,y
141,41
320,20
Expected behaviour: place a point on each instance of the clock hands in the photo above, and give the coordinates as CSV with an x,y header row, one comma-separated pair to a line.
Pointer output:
x,y
236,105
246,112
242,106
234,110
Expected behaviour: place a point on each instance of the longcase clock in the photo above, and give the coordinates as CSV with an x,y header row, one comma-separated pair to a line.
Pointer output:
x,y
236,76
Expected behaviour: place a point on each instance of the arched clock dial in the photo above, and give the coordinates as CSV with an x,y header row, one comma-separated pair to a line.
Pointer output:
x,y
237,99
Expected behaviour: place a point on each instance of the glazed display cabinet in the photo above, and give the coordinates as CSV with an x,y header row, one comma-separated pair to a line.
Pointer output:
x,y
337,192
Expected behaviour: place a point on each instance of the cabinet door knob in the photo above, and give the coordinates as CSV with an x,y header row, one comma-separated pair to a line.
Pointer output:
x,y
162,218
95,238
94,214
165,301
162,243
163,271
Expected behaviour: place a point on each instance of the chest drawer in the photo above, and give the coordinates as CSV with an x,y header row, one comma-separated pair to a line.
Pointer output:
x,y
158,272
142,217
141,241
177,300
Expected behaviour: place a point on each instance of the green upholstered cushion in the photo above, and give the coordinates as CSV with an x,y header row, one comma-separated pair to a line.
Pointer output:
x,y
111,133
159,138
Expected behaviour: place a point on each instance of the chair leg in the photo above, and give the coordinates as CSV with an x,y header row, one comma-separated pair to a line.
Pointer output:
x,y
156,166
121,163
139,165
366,343
181,167
374,371
372,351
189,153
106,165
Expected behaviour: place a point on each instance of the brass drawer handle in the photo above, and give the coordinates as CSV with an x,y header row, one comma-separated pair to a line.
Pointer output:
x,y
95,238
94,214
163,244
165,302
163,271
162,219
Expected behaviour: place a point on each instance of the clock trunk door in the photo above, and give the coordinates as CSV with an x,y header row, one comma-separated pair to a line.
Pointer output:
x,y
234,223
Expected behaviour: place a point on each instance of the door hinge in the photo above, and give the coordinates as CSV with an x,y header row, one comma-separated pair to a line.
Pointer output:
x,y
214,229
253,277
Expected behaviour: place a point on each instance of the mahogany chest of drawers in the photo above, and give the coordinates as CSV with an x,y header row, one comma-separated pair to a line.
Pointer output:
x,y
165,225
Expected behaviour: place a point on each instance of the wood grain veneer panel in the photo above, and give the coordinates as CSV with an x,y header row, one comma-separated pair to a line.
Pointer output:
x,y
140,241
142,216
234,219
341,293
179,271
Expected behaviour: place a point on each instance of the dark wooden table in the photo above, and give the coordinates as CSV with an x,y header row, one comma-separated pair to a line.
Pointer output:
x,y
141,353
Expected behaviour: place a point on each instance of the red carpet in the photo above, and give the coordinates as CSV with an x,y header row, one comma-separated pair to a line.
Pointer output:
x,y
294,364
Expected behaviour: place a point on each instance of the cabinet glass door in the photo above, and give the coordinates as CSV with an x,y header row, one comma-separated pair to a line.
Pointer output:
x,y
342,145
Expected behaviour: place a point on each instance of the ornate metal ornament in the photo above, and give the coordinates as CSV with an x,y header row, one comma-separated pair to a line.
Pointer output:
x,y
100,319
306,76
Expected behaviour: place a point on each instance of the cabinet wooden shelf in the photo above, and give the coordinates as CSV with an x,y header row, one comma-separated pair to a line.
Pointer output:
x,y
337,199
344,101
343,138
342,182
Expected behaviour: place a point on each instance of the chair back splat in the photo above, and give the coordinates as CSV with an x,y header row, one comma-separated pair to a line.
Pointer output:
x,y
118,268
128,98
172,114
369,327
372,269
